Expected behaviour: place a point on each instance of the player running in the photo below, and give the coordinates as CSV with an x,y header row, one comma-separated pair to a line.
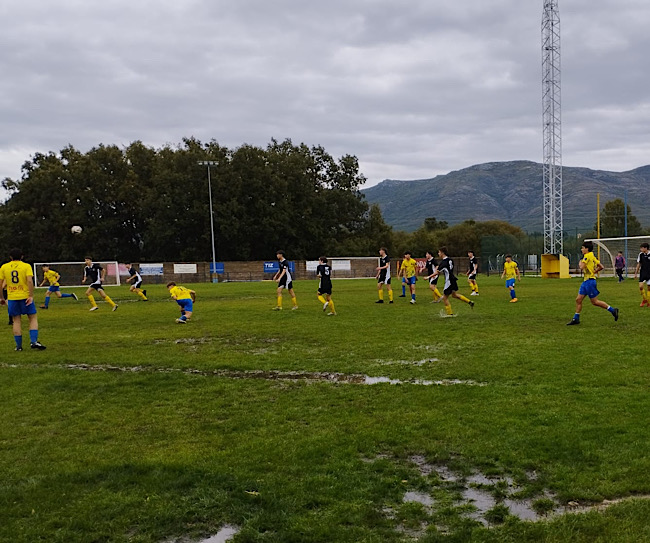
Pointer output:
x,y
446,269
52,278
285,281
430,267
17,277
137,281
408,271
472,272
324,272
643,271
383,276
96,274
511,273
185,298
590,266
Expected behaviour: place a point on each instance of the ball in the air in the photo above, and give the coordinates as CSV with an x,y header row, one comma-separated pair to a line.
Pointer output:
x,y
76,229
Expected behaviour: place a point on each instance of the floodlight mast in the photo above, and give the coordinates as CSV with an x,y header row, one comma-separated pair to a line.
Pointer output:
x,y
552,128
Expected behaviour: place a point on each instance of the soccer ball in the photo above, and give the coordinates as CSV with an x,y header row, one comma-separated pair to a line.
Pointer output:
x,y
76,229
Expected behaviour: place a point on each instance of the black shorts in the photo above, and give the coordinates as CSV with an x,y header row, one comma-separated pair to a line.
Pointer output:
x,y
453,287
644,277
283,283
137,284
325,289
471,277
382,278
433,281
96,286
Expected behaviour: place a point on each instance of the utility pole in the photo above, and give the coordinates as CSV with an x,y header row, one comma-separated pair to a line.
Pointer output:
x,y
552,129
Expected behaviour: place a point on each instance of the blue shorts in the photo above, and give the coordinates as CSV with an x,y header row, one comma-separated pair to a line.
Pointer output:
x,y
588,288
510,282
54,288
18,308
410,280
186,304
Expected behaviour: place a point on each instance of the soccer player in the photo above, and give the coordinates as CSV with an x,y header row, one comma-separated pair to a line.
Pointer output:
x,y
324,272
408,271
17,277
590,266
446,269
619,266
430,268
511,273
472,272
643,271
52,278
137,281
185,298
96,274
383,276
284,280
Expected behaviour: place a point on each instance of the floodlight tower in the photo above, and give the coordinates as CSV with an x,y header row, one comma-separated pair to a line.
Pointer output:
x,y
552,128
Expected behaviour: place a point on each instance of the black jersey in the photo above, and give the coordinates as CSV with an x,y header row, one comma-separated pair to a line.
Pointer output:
x,y
133,272
473,265
431,266
446,269
324,271
286,278
385,273
94,273
644,266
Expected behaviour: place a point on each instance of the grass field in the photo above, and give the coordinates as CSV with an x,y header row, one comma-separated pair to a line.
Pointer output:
x,y
132,428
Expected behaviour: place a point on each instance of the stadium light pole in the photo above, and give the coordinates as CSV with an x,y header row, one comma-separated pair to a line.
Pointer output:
x,y
209,163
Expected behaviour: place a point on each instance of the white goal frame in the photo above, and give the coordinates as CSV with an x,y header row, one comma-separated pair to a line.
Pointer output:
x,y
631,249
112,279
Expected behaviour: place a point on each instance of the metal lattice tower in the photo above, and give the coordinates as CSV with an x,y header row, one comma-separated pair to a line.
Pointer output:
x,y
552,130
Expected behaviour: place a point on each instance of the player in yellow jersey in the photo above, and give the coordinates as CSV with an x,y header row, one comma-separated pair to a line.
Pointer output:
x,y
590,266
185,298
511,273
408,271
17,277
52,278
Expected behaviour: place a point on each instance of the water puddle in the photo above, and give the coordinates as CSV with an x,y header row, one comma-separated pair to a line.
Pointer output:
x,y
417,363
223,535
418,497
269,375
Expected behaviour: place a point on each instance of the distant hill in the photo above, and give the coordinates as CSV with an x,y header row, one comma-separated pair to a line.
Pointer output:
x,y
509,191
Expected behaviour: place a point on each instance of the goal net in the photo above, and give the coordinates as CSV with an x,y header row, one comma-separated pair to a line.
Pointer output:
x,y
73,272
607,249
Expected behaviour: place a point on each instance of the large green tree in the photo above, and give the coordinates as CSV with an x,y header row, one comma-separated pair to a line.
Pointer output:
x,y
140,203
612,220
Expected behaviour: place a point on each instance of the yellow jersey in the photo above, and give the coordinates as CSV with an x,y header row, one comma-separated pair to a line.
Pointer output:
x,y
52,277
590,263
511,269
180,293
15,275
409,267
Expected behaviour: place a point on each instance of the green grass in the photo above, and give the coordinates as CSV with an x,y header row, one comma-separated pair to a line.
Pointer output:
x,y
153,456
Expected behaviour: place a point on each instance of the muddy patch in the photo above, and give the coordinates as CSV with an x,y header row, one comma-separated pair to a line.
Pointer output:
x,y
268,375
417,363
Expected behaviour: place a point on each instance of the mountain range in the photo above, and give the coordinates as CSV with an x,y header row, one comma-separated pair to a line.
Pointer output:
x,y
509,191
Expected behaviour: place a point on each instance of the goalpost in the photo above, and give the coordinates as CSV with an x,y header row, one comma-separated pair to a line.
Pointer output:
x,y
72,273
609,248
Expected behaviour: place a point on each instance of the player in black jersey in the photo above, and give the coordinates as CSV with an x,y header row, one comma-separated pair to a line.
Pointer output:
x,y
284,280
324,272
383,276
96,274
135,276
430,267
472,272
643,271
446,269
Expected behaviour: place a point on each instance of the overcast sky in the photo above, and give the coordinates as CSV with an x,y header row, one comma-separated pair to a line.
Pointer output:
x,y
413,88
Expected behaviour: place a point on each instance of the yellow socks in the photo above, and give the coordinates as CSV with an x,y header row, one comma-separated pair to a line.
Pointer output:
x,y
448,309
294,300
332,310
92,301
111,302
436,294
390,295
463,298
141,294
381,294
279,301
321,299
